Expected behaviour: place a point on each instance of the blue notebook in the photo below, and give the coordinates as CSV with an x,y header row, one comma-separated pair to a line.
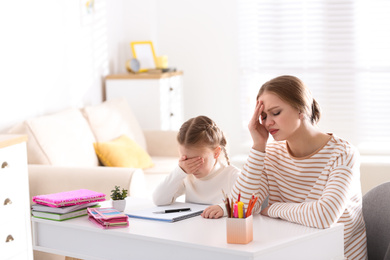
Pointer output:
x,y
196,210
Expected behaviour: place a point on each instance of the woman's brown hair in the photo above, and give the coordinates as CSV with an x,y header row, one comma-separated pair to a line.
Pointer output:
x,y
293,91
202,131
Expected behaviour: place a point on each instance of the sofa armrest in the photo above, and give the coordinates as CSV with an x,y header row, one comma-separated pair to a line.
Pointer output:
x,y
46,179
161,143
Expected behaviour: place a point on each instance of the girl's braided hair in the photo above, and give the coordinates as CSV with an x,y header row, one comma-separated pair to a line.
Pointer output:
x,y
200,131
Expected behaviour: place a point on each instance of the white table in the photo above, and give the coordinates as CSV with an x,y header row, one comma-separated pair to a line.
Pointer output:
x,y
194,238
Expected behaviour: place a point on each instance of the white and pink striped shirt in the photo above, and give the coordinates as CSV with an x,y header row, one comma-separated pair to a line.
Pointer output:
x,y
316,191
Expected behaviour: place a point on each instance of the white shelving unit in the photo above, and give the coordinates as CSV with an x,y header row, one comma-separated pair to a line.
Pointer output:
x,y
15,225
156,99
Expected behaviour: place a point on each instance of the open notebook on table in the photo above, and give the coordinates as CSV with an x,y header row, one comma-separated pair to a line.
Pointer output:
x,y
151,213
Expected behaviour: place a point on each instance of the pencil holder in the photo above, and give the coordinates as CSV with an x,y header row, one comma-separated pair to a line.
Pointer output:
x,y
239,230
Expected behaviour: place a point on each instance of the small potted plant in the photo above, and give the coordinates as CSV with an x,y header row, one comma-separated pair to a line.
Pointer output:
x,y
118,198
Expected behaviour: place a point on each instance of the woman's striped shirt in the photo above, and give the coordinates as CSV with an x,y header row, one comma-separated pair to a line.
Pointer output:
x,y
316,191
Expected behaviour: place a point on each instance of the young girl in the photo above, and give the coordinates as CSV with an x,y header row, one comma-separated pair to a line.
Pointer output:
x,y
312,178
202,173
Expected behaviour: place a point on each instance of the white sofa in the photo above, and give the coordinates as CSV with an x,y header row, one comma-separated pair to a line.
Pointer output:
x,y
61,155
374,170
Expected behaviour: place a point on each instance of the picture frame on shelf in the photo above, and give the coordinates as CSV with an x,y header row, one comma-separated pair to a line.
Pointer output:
x,y
143,51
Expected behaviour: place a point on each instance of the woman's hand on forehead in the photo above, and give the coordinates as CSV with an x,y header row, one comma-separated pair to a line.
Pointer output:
x,y
258,132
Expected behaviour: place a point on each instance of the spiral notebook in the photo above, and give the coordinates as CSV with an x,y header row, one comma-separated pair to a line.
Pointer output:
x,y
107,218
150,213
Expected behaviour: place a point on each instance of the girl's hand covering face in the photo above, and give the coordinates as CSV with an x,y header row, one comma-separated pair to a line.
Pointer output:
x,y
257,130
190,166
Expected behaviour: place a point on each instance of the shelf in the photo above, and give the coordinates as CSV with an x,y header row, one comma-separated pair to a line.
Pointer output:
x,y
144,75
8,140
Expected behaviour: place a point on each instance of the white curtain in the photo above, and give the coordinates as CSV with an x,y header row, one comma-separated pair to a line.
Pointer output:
x,y
339,48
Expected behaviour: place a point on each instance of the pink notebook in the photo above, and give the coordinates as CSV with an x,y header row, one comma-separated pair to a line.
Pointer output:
x,y
107,217
69,198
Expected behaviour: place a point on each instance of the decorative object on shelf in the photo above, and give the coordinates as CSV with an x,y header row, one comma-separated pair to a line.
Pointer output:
x,y
90,5
144,53
162,62
87,12
119,198
133,65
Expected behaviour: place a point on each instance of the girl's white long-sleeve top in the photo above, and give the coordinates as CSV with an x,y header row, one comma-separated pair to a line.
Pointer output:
x,y
206,190
316,191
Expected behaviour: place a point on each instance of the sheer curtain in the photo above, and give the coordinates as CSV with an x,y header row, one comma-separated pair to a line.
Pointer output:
x,y
339,48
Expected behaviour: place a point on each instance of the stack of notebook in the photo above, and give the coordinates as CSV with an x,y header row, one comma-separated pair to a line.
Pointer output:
x,y
65,205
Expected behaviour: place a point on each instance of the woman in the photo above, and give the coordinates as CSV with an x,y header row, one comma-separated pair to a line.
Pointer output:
x,y
312,178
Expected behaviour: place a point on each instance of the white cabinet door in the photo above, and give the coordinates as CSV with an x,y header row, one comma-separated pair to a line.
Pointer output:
x,y
156,103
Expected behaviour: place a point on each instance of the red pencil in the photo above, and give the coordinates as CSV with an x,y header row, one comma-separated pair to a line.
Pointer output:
x,y
251,205
249,211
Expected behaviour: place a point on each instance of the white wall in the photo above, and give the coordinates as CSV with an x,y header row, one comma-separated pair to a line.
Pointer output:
x,y
199,38
54,55
128,20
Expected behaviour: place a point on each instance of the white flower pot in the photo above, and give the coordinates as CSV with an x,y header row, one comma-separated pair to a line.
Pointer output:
x,y
119,205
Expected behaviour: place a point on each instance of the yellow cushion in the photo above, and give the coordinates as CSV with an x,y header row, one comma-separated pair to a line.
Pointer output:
x,y
123,152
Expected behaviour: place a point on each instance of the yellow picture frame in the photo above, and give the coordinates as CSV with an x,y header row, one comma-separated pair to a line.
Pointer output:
x,y
143,51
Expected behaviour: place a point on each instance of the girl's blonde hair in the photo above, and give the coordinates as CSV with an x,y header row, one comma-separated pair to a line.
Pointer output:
x,y
292,90
202,131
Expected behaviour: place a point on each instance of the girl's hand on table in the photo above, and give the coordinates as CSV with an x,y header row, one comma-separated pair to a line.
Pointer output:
x,y
214,211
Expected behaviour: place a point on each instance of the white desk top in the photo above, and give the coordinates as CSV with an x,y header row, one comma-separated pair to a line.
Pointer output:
x,y
270,235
